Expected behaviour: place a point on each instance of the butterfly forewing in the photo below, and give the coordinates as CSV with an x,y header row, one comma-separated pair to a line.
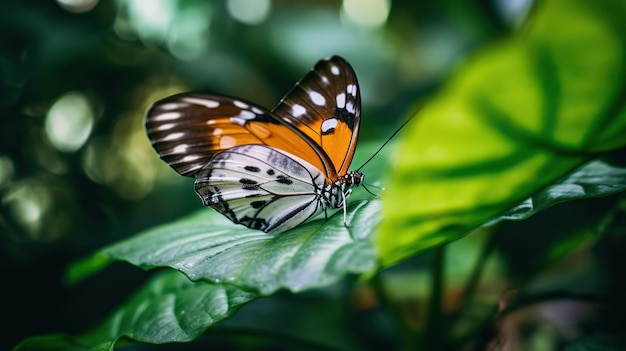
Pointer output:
x,y
326,106
188,129
317,120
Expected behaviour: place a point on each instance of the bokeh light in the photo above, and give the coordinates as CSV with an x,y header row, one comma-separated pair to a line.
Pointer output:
x,y
513,11
250,12
149,21
78,6
183,28
367,13
27,201
6,170
69,122
128,163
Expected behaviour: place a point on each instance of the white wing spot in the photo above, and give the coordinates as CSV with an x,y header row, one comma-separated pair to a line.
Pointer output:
x,y
350,107
227,142
329,125
173,136
238,121
181,149
341,100
172,106
190,158
256,110
325,80
217,131
168,116
202,102
240,104
246,115
287,120
166,126
297,110
317,98
352,89
334,70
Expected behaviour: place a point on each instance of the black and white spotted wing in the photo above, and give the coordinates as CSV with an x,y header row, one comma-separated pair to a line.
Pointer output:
x,y
261,187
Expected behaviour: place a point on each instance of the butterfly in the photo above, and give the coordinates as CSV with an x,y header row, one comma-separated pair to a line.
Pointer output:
x,y
268,170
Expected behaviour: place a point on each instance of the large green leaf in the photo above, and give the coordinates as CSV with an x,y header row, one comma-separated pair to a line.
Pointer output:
x,y
594,179
515,118
207,246
169,308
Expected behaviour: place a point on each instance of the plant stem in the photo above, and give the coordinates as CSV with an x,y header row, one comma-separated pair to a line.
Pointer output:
x,y
474,278
432,338
407,337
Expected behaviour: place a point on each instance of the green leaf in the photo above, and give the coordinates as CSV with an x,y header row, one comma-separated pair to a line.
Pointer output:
x,y
169,308
86,267
318,320
60,342
594,179
514,119
207,246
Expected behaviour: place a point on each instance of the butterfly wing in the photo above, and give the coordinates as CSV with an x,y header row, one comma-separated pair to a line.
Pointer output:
x,y
188,129
261,187
266,170
326,106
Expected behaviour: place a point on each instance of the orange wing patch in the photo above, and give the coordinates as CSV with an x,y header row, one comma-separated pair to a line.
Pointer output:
x,y
187,130
318,121
326,106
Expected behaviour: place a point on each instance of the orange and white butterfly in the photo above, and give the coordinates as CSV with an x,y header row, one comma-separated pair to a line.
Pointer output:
x,y
266,170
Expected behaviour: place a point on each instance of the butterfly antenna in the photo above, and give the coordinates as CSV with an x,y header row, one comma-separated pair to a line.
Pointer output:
x,y
368,190
373,186
388,140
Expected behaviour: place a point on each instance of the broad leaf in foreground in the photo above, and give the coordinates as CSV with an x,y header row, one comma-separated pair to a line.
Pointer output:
x,y
169,308
207,246
514,119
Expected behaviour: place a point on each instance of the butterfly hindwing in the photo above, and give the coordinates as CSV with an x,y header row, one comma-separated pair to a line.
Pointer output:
x,y
260,187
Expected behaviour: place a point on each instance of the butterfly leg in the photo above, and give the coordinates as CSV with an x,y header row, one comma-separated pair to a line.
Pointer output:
x,y
345,209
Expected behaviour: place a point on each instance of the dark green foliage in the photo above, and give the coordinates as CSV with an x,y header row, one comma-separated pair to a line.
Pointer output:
x,y
475,238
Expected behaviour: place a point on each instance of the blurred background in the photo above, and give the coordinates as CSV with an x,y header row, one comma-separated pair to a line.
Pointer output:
x,y
76,76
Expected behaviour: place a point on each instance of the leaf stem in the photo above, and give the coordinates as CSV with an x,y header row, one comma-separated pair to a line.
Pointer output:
x,y
433,336
474,278
407,337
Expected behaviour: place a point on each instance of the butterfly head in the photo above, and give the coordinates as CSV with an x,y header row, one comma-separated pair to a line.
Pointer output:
x,y
355,178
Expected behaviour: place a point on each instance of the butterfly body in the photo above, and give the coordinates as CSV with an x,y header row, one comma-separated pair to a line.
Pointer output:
x,y
266,170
